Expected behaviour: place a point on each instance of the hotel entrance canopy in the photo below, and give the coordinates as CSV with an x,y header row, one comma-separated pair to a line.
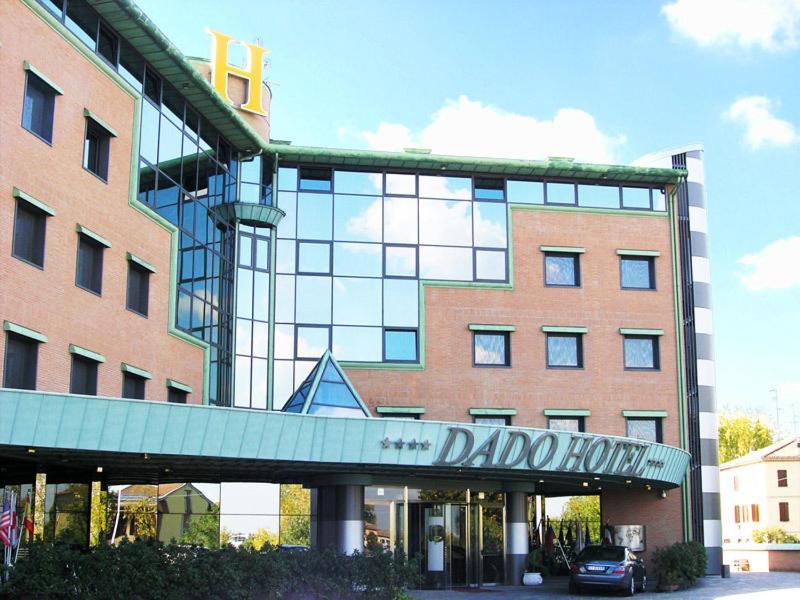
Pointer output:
x,y
86,438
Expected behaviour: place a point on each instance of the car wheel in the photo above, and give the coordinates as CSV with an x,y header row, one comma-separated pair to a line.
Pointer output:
x,y
630,585
643,587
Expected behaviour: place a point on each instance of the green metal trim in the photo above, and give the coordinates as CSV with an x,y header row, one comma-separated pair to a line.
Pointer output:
x,y
644,413
637,331
556,329
567,412
141,262
400,410
18,193
258,215
91,234
568,249
128,368
80,351
29,67
273,260
482,327
323,362
509,412
89,114
24,331
179,386
617,212
623,252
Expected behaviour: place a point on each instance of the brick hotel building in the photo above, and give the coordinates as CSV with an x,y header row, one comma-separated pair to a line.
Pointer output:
x,y
446,340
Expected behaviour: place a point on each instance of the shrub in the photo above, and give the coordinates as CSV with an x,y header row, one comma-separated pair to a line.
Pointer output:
x,y
680,564
774,535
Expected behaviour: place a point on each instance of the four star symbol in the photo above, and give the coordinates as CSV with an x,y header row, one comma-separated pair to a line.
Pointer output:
x,y
400,443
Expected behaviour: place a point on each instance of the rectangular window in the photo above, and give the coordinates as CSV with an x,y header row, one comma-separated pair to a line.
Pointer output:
x,y
754,513
138,288
737,514
39,107
565,350
133,386
107,45
152,86
83,379
491,349
641,352
735,483
400,415
644,428
314,258
29,230
783,509
89,275
575,424
637,273
22,356
96,147
316,180
176,396
400,261
400,345
562,269
489,189
783,479
498,420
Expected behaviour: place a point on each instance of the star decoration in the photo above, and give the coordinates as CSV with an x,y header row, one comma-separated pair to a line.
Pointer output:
x,y
386,442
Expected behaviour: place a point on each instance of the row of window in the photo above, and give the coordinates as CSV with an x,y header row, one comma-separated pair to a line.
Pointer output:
x,y
563,269
563,350
741,514
21,366
781,474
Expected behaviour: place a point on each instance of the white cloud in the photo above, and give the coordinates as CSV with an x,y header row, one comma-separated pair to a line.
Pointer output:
x,y
762,127
771,24
774,267
465,127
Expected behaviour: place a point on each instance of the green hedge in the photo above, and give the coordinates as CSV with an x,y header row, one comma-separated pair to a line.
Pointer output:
x,y
680,564
148,570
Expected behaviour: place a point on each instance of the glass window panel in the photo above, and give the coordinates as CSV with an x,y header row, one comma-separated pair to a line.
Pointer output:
x,y
170,145
241,392
314,258
633,197
357,343
243,336
400,220
525,192
358,218
285,256
490,265
284,341
82,21
445,187
287,202
561,193
251,170
261,296
400,302
401,185
640,353
561,269
260,339
184,310
491,348
598,196
565,424
495,421
258,397
642,429
637,273
323,410
489,188
312,341
244,293
284,298
249,193
283,382
287,179
245,251
356,301
400,345
148,145
659,200
401,261
334,394
301,370
445,263
314,216
313,299
362,260
313,179
445,222
262,254
490,225
351,182
563,351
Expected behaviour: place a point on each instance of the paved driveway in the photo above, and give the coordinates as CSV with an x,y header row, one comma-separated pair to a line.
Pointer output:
x,y
740,586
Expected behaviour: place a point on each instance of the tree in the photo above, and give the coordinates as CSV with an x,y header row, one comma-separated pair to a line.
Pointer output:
x,y
774,535
740,434
203,530
584,509
295,523
260,538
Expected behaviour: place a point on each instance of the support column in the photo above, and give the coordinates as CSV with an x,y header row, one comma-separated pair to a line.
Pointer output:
x,y
325,534
516,536
349,518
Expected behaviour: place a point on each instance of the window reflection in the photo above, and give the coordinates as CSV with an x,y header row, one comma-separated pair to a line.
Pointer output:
x,y
357,343
445,187
641,352
561,269
445,263
362,260
313,299
401,185
633,197
525,192
599,196
490,225
560,193
490,265
358,219
400,302
400,345
356,301
564,350
400,220
314,257
401,261
574,424
314,216
351,182
444,222
312,342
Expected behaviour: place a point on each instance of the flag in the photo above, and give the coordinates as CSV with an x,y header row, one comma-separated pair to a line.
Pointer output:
x,y
588,539
549,539
6,519
569,537
579,539
27,521
561,532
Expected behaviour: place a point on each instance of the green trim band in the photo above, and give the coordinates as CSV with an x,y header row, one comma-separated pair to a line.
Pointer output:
x,y
567,412
179,386
24,331
127,368
73,349
29,67
644,413
505,412
141,262
400,410
566,249
635,331
625,212
555,329
91,234
623,252
89,114
19,194
480,327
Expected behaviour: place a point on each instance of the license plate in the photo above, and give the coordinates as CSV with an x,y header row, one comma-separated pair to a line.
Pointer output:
x,y
595,568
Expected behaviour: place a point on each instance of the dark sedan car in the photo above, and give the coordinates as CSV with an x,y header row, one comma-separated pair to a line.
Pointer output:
x,y
610,567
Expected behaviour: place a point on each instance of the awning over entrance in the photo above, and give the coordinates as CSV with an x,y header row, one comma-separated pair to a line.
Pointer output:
x,y
83,438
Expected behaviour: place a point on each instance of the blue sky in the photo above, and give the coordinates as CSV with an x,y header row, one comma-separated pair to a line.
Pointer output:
x,y
600,81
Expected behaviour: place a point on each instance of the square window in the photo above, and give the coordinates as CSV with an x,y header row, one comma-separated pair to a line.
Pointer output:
x,y
22,355
562,269
400,185
316,180
644,428
499,420
83,378
312,342
400,261
39,107
575,424
29,231
96,148
637,273
133,386
138,288
107,45
400,345
490,265
314,258
176,396
491,349
560,193
487,188
565,350
89,272
641,352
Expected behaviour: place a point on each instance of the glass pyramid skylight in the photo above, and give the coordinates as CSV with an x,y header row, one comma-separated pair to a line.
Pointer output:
x,y
327,392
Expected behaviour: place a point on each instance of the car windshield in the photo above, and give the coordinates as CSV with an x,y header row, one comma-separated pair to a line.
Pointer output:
x,y
613,553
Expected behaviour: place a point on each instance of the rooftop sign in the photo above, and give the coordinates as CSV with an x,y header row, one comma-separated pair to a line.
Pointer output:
x,y
252,74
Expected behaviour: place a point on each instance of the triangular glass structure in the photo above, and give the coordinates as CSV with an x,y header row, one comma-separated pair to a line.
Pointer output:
x,y
327,392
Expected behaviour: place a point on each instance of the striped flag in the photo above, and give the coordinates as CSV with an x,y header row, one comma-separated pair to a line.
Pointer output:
x,y
7,520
